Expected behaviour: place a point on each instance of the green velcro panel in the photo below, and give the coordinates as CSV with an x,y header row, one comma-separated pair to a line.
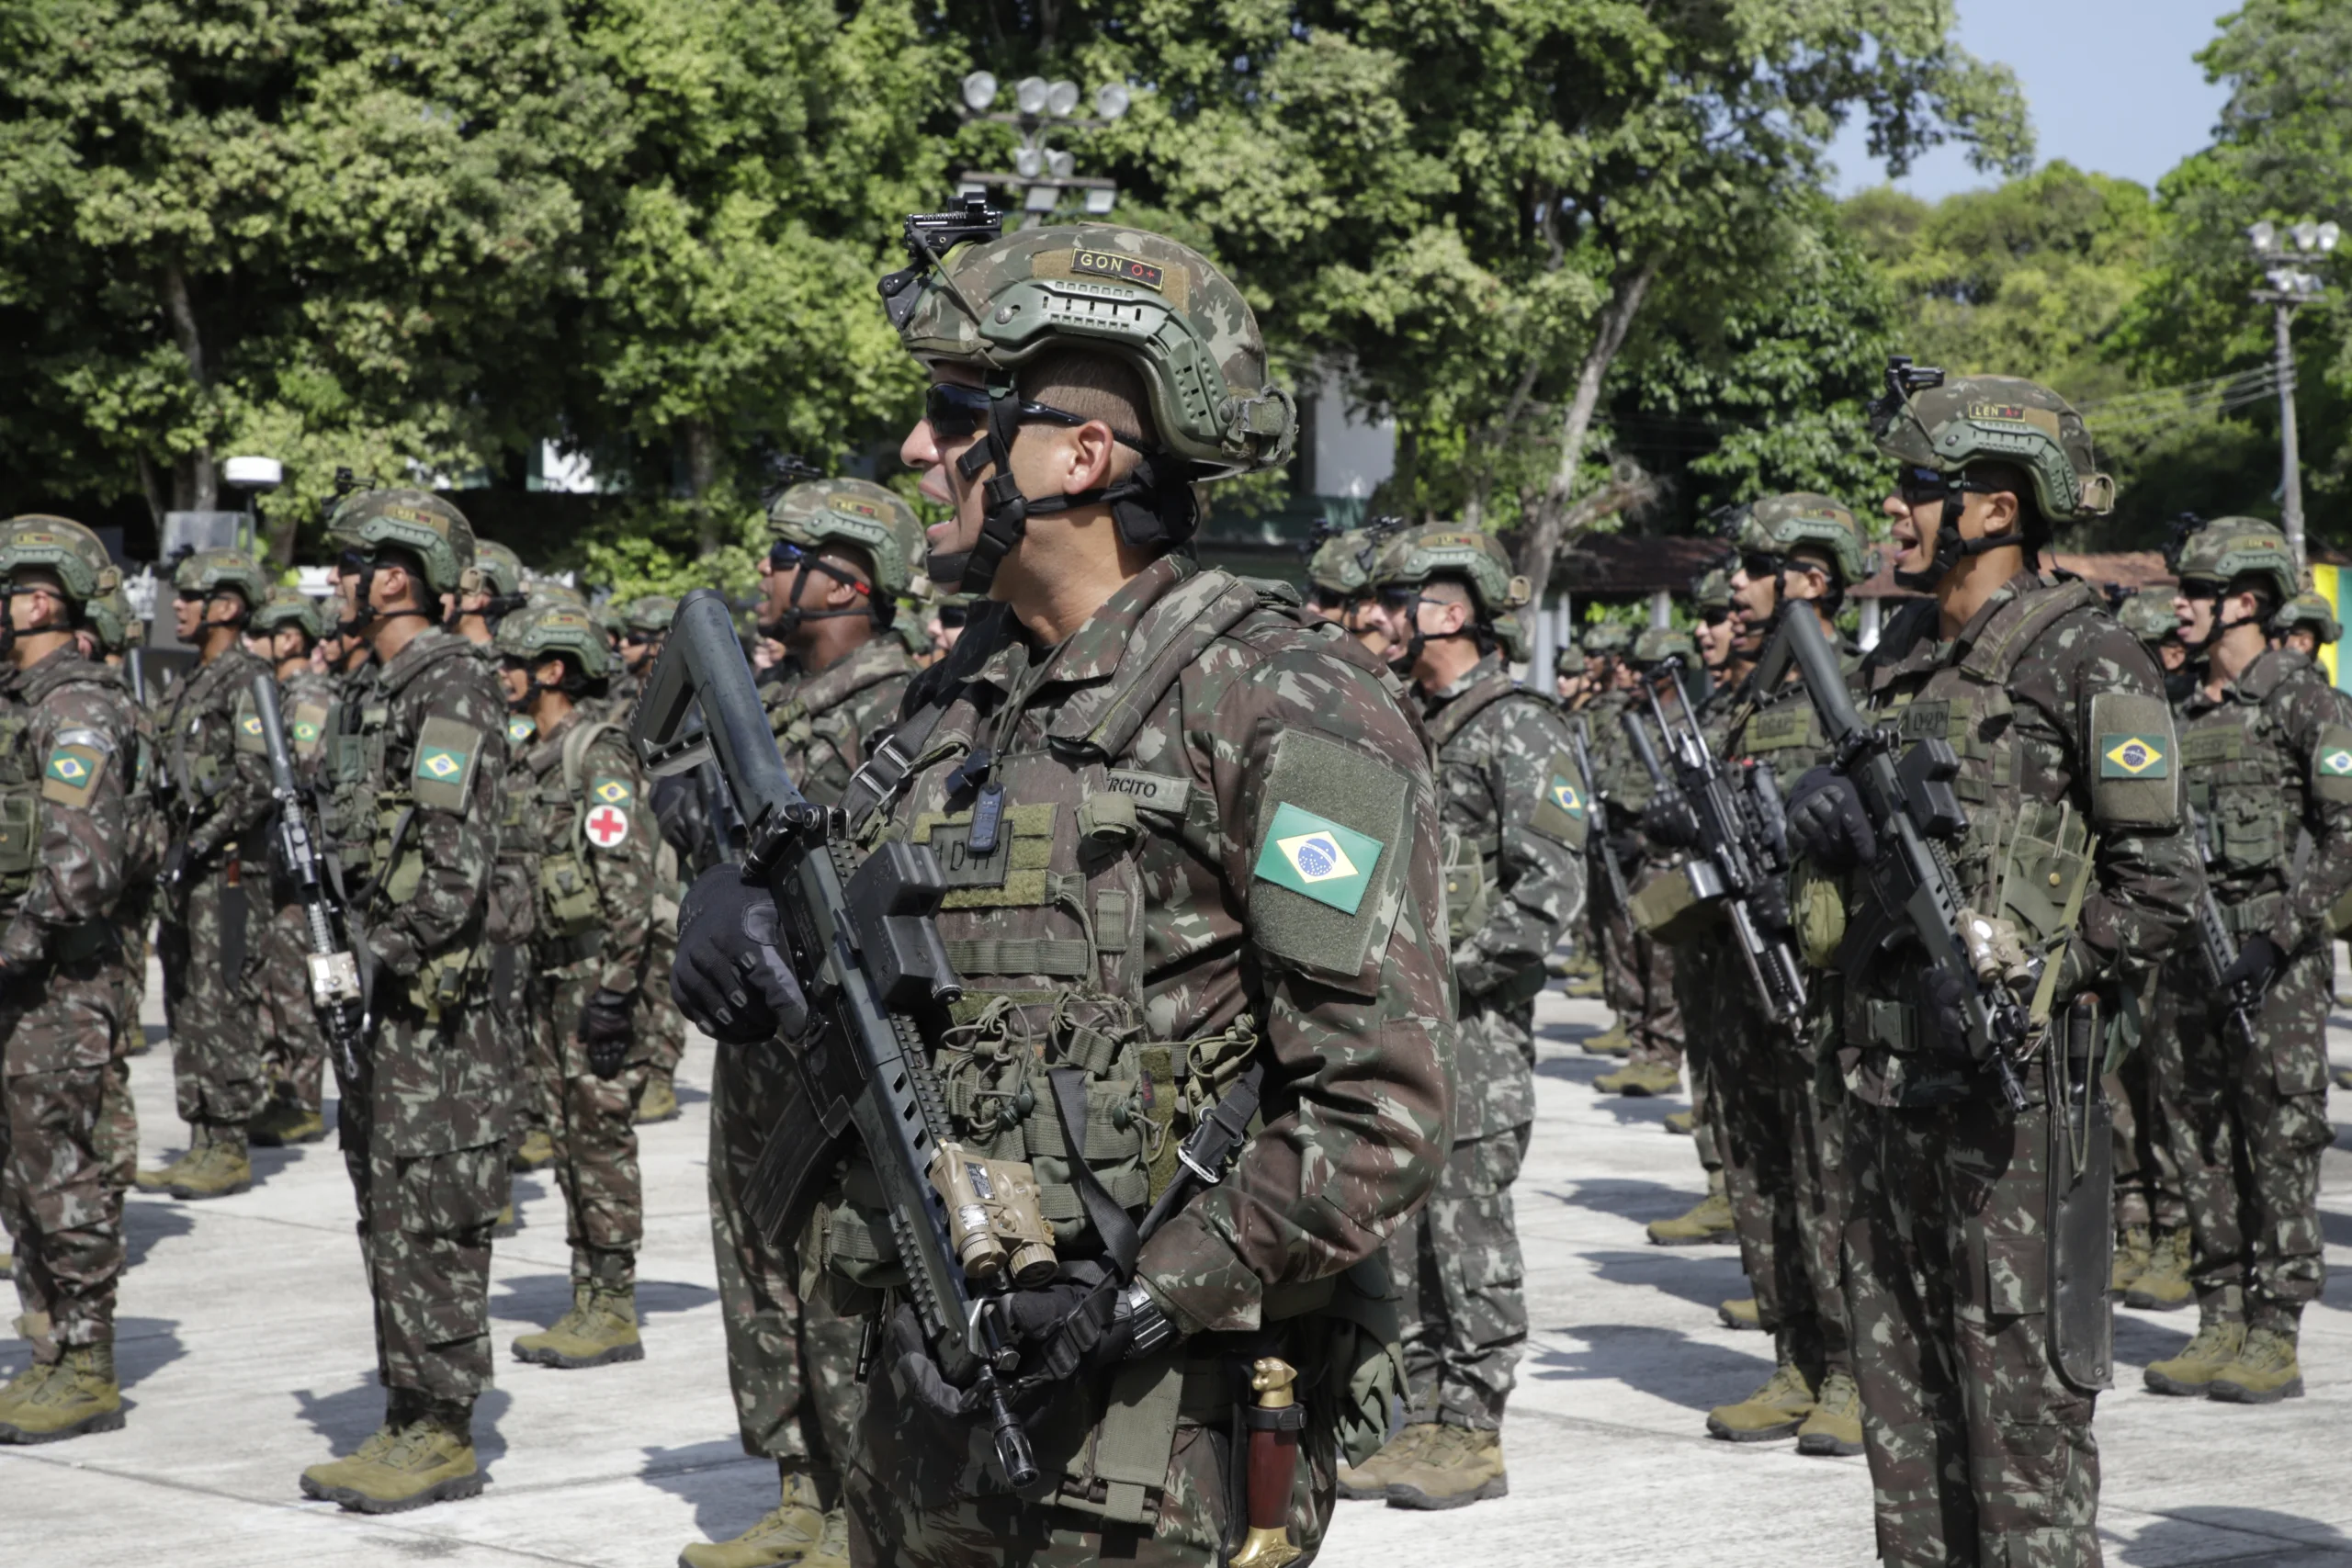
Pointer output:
x,y
1066,959
1137,1434
1562,812
2332,763
2212,744
2134,784
1309,779
1779,730
448,753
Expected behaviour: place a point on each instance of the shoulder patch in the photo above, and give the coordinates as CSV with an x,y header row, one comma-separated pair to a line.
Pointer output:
x,y
1562,812
248,727
2332,763
2134,782
1315,856
72,773
307,729
2133,757
608,790
449,753
1327,882
520,728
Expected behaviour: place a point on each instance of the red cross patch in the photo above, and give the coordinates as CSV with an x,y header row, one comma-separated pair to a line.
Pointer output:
x,y
607,826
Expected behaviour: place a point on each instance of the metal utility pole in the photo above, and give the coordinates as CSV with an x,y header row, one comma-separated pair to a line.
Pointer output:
x,y
2286,254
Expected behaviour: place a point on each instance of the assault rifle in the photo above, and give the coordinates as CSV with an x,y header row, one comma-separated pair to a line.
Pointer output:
x,y
1912,893
1743,850
1580,738
2214,942
335,989
865,941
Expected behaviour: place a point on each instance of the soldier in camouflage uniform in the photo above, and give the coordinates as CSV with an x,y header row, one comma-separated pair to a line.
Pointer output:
x,y
418,760
1645,961
69,756
1513,811
1608,931
2151,1212
2268,754
644,627
2306,624
1263,844
294,1048
216,877
838,559
491,591
1782,1125
591,851
1339,585
1979,1346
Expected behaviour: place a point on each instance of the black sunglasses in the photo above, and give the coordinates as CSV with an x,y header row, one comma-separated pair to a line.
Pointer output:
x,y
2201,588
784,556
956,411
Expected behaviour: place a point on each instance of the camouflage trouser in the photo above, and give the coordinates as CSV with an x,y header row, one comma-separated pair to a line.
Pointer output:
x,y
661,1027
1457,1266
909,1495
1760,1168
1700,996
512,1012
216,1050
424,1229
2147,1180
61,1169
791,1359
1979,1452
1637,981
294,1048
1813,1108
592,1121
2246,1131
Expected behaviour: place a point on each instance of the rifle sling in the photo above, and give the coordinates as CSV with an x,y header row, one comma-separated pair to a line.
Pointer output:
x,y
1121,1240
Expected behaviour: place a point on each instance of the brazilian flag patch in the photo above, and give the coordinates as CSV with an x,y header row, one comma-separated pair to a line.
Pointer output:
x,y
251,725
2336,764
70,774
519,729
442,764
1315,856
611,792
1562,793
70,766
2133,757
306,732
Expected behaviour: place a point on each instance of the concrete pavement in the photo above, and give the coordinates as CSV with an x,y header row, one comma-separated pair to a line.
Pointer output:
x,y
245,1356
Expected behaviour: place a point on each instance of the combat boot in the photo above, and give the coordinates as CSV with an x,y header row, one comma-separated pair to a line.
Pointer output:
x,y
1682,1124
1612,1041
2162,1285
428,1459
2192,1374
2265,1372
601,1328
1835,1425
504,1224
1741,1314
1639,1080
161,1178
658,1101
1456,1467
831,1550
790,1532
1584,987
2131,1257
1368,1481
1775,1410
284,1123
221,1170
536,1152
1709,1221
74,1395
2343,1075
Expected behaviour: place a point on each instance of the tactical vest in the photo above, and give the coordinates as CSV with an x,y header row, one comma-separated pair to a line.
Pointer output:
x,y
2251,795
1473,863
793,720
200,750
569,912
2028,862
23,765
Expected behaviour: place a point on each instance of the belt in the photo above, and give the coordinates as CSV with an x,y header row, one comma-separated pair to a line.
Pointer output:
x,y
569,951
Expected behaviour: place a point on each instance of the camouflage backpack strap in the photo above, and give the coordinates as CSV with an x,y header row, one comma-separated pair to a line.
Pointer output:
x,y
575,752
1453,719
1175,633
2019,625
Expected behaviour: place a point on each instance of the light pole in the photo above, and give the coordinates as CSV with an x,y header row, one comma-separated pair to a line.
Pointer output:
x,y
2285,256
1042,174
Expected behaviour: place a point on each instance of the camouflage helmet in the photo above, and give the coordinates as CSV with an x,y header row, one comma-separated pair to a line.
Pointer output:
x,y
497,570
1997,418
998,303
1569,660
1448,549
558,591
546,627
1338,564
1658,644
2148,615
416,521
284,606
649,612
1711,592
65,548
857,513
1512,637
2230,547
2308,612
206,573
1781,524
1608,638
112,615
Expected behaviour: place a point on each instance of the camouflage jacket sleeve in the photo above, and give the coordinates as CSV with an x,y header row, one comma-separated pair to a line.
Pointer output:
x,y
2143,891
622,864
243,803
1542,875
86,742
2320,740
1356,1014
452,707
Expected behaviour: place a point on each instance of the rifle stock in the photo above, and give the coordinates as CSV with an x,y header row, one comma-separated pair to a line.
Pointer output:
x,y
865,943
1580,738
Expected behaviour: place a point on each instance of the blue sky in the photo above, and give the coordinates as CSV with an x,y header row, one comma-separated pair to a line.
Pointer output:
x,y
2110,84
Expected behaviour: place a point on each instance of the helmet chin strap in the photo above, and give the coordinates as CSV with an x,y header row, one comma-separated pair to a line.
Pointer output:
x,y
2212,634
1950,550
784,626
365,609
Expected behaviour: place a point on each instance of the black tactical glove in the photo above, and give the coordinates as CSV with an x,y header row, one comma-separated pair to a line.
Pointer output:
x,y
1828,824
1943,1011
1065,1326
607,1031
2258,960
915,1373
1669,823
731,975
